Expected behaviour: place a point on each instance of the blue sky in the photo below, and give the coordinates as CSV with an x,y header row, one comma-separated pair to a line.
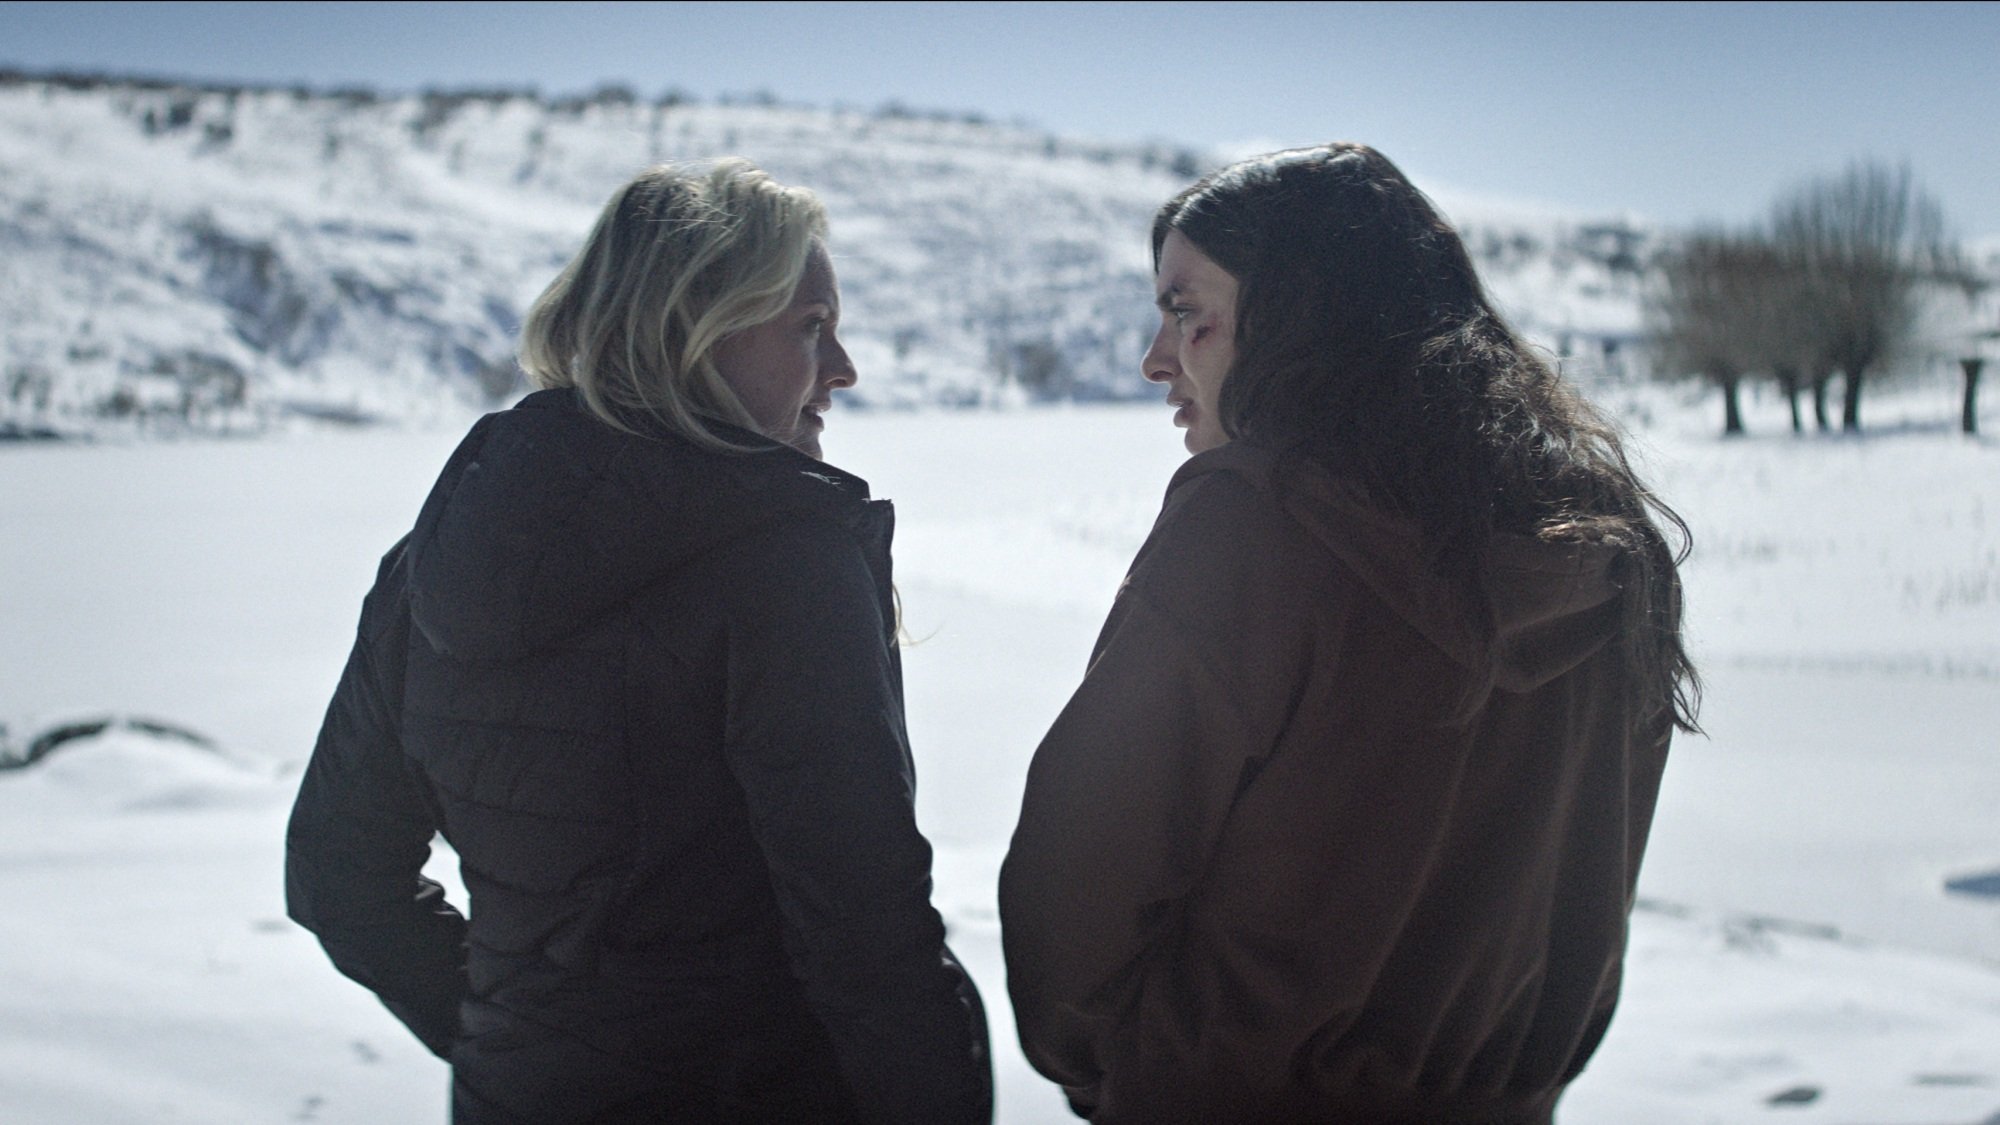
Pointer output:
x,y
1678,112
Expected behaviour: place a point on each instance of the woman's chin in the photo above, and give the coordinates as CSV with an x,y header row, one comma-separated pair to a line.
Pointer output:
x,y
1201,439
803,437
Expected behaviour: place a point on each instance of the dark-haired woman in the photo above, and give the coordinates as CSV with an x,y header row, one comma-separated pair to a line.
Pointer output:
x,y
1344,822
637,662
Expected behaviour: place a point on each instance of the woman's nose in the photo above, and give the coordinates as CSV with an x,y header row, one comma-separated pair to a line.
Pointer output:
x,y
1160,363
838,368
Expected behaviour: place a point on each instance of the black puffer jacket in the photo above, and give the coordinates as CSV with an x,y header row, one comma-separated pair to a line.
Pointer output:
x,y
650,694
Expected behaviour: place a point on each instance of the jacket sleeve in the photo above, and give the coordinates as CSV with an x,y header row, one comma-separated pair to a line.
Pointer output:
x,y
360,834
815,737
1191,684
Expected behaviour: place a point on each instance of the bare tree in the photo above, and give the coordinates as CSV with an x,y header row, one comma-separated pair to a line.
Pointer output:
x,y
1779,327
1704,312
1969,332
1789,326
1864,240
1968,419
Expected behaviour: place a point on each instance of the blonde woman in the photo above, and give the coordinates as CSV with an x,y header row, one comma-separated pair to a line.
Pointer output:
x,y
636,662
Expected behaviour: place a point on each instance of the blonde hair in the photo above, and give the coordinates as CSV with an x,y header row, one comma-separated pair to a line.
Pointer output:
x,y
680,258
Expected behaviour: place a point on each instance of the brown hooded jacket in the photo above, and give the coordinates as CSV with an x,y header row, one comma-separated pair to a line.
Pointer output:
x,y
1305,847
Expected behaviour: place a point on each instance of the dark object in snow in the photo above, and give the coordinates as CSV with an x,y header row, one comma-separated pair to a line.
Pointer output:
x,y
1819,931
1645,905
333,413
45,743
1954,1080
1797,1095
16,431
1985,884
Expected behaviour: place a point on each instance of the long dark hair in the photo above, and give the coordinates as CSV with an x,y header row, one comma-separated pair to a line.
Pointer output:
x,y
1365,342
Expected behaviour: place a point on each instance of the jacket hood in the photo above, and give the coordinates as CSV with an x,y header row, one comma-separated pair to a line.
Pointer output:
x,y
1553,604
545,519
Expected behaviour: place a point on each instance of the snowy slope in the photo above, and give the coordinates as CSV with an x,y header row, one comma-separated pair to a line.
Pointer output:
x,y
227,258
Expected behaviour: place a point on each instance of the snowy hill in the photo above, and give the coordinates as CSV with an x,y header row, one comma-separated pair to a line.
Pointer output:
x,y
224,258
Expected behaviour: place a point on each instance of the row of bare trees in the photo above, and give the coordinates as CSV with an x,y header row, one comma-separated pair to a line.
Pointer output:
x,y
1835,282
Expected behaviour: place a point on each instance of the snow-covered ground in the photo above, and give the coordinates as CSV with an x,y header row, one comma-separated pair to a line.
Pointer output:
x,y
1796,956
